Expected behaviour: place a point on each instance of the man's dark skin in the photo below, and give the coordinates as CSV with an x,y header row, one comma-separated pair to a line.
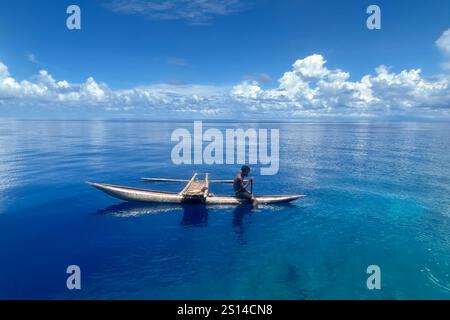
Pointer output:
x,y
240,188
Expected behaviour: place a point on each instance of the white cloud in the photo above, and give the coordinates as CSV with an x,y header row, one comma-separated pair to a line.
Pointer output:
x,y
3,71
443,43
309,88
45,90
446,65
312,66
260,77
247,90
32,58
192,11
93,89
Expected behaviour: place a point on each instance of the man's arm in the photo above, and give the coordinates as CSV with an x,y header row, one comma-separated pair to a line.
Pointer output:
x,y
244,186
240,182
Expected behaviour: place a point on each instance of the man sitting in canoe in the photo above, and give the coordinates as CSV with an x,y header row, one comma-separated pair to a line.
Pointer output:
x,y
240,188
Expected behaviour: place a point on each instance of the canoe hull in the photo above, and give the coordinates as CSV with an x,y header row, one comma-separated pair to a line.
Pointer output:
x,y
142,195
138,195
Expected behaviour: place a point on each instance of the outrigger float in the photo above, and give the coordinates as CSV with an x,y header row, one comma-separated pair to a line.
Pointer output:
x,y
196,191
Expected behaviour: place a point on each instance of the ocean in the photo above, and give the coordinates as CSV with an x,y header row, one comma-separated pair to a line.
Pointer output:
x,y
377,193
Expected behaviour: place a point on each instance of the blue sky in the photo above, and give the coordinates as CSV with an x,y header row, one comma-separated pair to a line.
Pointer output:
x,y
223,56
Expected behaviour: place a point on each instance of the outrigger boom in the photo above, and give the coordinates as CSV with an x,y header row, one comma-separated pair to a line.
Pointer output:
x,y
183,180
196,191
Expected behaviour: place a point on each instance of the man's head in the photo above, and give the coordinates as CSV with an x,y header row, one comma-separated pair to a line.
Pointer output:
x,y
245,170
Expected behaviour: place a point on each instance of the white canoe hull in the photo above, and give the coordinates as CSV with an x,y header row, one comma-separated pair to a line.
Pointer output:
x,y
142,195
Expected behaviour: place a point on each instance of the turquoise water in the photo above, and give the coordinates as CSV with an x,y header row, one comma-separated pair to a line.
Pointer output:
x,y
377,193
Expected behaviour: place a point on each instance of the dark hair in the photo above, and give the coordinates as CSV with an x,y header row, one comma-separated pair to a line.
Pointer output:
x,y
245,169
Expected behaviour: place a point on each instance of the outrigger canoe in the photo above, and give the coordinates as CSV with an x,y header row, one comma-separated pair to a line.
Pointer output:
x,y
196,191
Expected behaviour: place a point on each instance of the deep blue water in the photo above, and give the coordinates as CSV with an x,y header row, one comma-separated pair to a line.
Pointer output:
x,y
377,193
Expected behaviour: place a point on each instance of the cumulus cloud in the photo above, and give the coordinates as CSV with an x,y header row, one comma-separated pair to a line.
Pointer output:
x,y
311,67
192,11
309,88
44,90
247,90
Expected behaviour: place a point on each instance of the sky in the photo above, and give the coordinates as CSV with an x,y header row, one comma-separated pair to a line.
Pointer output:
x,y
224,58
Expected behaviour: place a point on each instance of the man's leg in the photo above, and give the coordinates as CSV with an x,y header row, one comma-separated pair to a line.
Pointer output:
x,y
248,196
254,202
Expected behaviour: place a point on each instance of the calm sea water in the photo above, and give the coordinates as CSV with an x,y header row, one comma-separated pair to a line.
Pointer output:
x,y
377,193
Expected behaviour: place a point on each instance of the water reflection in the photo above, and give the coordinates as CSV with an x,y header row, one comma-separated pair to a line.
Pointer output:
x,y
241,221
193,214
129,209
